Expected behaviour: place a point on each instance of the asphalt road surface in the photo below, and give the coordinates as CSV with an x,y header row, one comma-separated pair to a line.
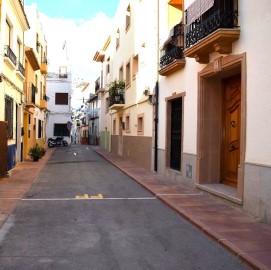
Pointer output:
x,y
83,213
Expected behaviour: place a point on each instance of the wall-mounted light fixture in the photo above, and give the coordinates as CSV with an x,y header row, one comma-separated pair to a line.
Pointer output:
x,y
146,91
151,97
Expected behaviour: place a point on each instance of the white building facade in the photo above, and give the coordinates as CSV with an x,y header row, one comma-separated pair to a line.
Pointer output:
x,y
130,56
206,63
214,97
93,119
59,87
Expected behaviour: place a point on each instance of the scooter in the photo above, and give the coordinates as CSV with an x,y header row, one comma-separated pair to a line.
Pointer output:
x,y
58,141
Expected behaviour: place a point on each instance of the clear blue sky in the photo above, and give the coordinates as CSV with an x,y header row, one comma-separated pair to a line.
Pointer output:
x,y
75,9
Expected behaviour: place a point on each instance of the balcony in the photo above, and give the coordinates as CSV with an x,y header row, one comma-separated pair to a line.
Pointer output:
x,y
20,70
93,113
43,102
172,57
43,65
98,86
63,75
116,95
212,31
30,95
116,101
31,56
10,57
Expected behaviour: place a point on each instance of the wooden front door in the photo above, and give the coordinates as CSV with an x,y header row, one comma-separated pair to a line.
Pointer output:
x,y
231,131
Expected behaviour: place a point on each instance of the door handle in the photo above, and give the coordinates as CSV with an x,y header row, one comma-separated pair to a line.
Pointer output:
x,y
233,147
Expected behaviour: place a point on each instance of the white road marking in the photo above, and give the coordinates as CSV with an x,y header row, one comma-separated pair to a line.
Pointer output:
x,y
179,194
80,199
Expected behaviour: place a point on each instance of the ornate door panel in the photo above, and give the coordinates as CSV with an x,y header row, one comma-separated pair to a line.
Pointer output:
x,y
231,140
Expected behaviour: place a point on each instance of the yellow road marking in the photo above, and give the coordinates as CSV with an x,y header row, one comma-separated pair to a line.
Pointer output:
x,y
86,196
99,196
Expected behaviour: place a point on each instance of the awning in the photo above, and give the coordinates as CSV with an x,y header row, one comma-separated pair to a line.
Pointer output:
x,y
197,8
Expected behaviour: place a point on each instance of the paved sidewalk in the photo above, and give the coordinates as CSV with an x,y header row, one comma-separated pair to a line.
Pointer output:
x,y
238,232
13,188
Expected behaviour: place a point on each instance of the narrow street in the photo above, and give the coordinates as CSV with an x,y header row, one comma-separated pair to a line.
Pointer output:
x,y
83,213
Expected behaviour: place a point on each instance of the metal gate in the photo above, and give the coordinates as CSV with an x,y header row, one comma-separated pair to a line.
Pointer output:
x,y
3,148
176,134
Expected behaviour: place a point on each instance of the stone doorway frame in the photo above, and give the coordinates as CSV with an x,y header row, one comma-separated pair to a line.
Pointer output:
x,y
209,120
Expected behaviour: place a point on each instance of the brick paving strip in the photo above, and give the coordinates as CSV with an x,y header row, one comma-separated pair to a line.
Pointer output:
x,y
13,188
240,233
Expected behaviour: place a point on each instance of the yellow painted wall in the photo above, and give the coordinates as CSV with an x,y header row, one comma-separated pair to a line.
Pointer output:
x,y
12,80
174,16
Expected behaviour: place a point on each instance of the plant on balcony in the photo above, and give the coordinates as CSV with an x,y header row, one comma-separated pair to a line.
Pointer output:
x,y
116,87
116,91
36,152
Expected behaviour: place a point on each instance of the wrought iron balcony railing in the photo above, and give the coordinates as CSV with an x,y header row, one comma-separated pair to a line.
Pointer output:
x,y
93,113
20,68
116,98
173,50
30,93
10,54
98,84
221,15
63,75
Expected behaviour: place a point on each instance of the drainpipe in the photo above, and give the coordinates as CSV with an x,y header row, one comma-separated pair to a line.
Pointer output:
x,y
156,98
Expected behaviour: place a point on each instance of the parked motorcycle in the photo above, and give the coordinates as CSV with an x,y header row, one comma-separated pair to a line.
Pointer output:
x,y
58,141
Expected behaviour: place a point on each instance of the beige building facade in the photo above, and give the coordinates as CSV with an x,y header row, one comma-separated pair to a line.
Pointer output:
x,y
219,85
197,74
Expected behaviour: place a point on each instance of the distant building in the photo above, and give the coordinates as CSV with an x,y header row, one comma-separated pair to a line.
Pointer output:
x,y
59,87
92,118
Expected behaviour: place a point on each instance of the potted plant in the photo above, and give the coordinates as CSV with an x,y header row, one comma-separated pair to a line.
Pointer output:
x,y
116,91
36,152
